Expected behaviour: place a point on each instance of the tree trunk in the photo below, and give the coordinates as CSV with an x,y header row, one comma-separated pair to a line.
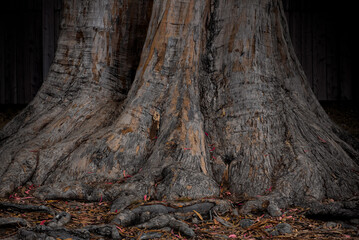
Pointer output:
x,y
176,99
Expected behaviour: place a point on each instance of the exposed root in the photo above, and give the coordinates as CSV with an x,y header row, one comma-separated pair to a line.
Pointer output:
x,y
168,221
104,230
43,232
169,214
26,208
13,221
274,206
269,203
333,210
60,220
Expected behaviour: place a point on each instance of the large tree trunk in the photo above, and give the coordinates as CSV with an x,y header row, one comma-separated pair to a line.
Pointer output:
x,y
184,96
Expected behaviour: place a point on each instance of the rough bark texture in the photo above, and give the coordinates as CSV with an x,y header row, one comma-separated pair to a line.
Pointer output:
x,y
216,97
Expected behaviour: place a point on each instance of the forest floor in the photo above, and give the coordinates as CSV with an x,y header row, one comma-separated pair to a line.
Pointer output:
x,y
293,224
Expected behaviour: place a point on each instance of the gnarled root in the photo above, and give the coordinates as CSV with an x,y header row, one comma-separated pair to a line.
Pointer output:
x,y
170,214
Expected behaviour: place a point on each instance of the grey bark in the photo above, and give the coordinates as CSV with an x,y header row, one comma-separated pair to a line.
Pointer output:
x,y
215,97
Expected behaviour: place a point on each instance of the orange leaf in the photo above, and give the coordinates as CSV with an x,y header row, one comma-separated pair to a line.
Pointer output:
x,y
198,214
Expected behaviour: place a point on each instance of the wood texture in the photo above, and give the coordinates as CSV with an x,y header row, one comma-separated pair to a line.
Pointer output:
x,y
176,99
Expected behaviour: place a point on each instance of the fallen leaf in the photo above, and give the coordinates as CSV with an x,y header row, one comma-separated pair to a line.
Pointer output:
x,y
198,214
119,228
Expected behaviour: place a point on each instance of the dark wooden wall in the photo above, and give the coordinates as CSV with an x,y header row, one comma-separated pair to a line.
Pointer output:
x,y
51,20
322,34
29,31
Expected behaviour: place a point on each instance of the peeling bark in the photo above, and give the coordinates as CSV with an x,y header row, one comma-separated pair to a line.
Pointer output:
x,y
175,99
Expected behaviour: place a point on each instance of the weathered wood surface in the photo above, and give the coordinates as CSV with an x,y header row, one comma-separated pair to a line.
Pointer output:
x,y
175,99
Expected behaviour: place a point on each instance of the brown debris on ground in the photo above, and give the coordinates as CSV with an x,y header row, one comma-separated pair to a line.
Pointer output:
x,y
228,226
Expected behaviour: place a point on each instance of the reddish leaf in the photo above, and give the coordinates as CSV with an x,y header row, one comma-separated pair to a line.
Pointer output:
x,y
119,228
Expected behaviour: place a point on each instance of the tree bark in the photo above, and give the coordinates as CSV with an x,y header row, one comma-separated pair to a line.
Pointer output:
x,y
176,99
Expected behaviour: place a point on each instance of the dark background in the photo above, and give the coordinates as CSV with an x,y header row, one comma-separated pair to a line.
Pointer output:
x,y
323,34
28,36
